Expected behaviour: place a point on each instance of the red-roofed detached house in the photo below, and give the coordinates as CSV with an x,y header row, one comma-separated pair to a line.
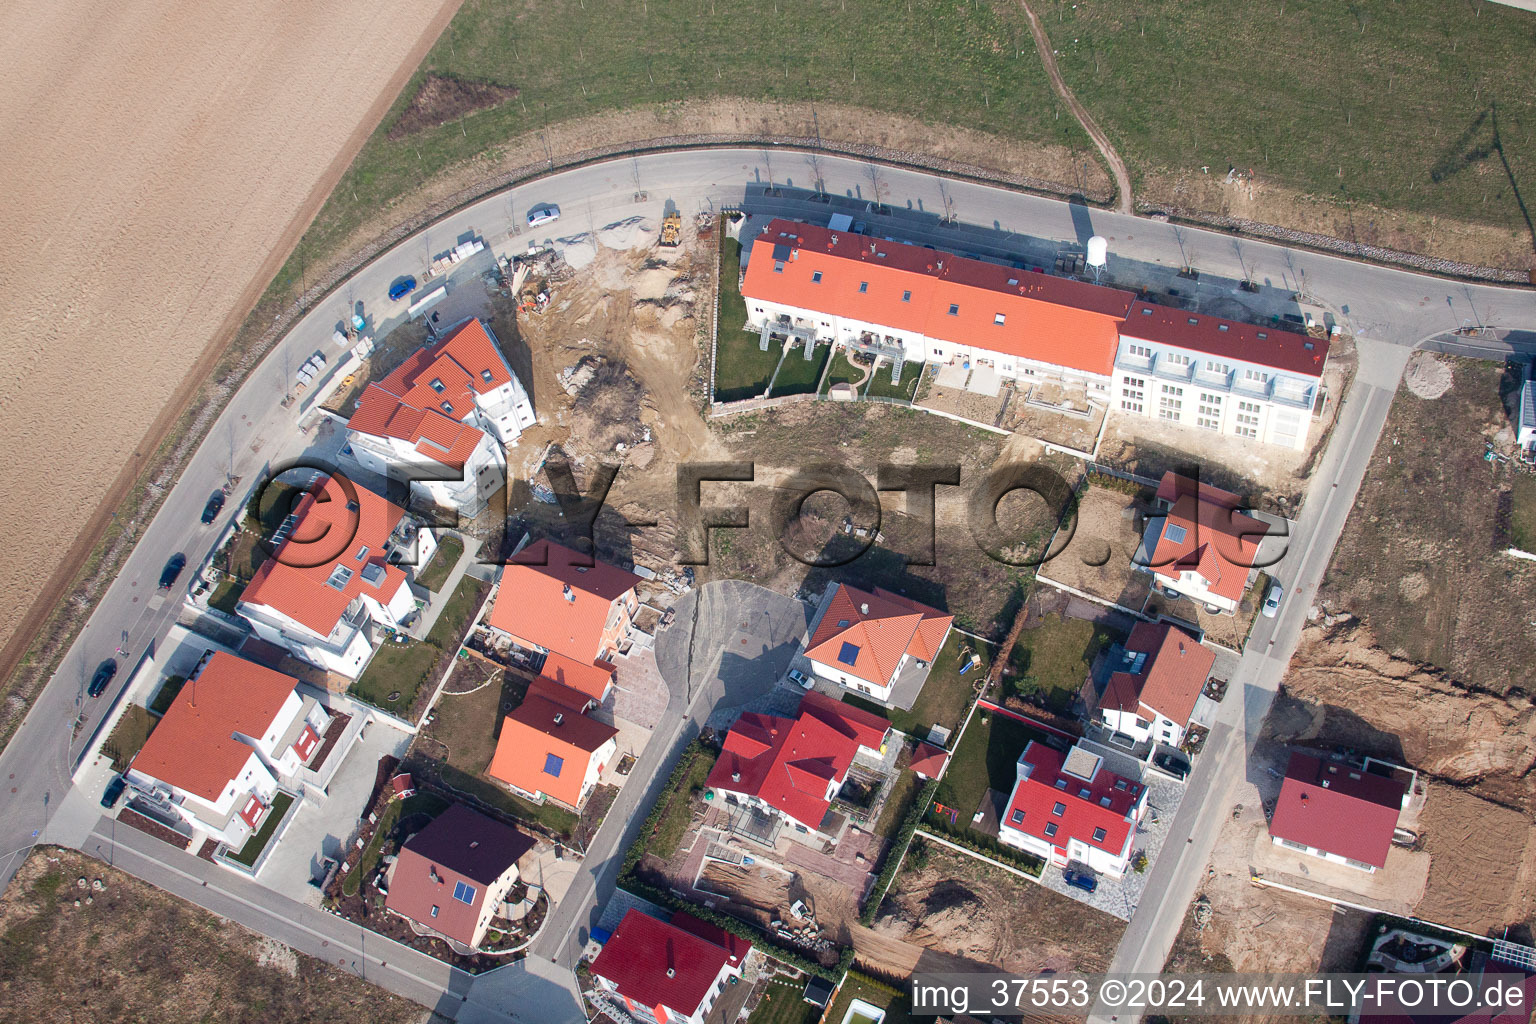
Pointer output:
x,y
793,767
550,749
864,640
1069,808
668,972
452,875
232,737
569,610
1203,548
1154,680
331,575
441,419
1339,812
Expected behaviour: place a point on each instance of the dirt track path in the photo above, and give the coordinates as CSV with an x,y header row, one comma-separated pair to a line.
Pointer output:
x,y
1116,165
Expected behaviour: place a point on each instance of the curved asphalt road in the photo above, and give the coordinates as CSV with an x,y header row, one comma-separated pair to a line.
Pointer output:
x,y
1393,307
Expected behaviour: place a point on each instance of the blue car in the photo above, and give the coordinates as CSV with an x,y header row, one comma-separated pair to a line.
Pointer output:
x,y
401,288
1080,879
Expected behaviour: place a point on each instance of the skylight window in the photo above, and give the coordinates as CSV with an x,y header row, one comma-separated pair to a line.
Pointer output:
x,y
362,553
464,892
1000,319
1221,327
1263,336
487,376
1193,322
906,296
1176,534
1059,809
553,763
447,406
437,385
954,309
1018,817
863,287
340,577
1084,793
849,655
816,277
1050,828
1146,310
1012,281
1098,835
1061,783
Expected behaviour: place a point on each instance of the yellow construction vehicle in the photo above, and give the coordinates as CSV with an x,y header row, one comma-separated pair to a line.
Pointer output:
x,y
672,229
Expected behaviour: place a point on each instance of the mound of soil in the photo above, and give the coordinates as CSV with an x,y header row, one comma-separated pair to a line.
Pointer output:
x,y
442,99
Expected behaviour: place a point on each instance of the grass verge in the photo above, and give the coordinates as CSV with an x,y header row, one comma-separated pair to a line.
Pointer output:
x,y
258,842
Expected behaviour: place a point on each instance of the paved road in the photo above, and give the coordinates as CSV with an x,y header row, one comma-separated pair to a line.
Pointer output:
x,y
1176,875
1374,303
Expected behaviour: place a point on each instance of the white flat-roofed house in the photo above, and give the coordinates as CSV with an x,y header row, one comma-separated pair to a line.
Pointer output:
x,y
1212,374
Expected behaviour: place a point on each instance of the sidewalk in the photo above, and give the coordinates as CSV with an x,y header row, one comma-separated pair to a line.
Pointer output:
x,y
438,600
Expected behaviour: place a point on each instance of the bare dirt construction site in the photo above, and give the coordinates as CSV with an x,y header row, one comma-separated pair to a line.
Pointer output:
x,y
127,951
160,163
956,905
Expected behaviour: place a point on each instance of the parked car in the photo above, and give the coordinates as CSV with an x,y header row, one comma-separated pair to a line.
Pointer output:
x,y
114,792
1172,765
801,679
1272,600
401,288
544,213
104,673
214,507
1079,879
172,569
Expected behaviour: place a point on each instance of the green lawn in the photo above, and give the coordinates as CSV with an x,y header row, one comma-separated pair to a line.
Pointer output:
x,y
128,736
166,695
986,758
842,371
881,387
399,669
674,820
468,724
943,63
796,375
1522,516
741,369
945,695
895,810
435,573
258,842
422,803
557,819
226,595
783,1003
1179,84
243,555
898,1008
449,629
1053,659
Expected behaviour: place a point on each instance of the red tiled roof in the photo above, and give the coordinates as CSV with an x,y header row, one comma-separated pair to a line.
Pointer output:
x,y
1337,809
194,747
875,639
533,607
1227,339
563,695
789,762
539,733
1172,677
736,948
459,845
1219,543
1050,319
329,533
466,363
641,951
928,760
1038,794
435,435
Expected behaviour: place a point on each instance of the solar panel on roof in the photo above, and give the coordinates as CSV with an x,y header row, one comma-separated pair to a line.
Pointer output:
x,y
849,655
1176,534
781,251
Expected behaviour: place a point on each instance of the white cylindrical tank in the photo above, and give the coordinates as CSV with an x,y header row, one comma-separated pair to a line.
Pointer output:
x,y
1098,250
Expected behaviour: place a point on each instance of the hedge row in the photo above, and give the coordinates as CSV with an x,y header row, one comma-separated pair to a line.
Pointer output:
x,y
641,844
784,954
898,850
989,847
1096,478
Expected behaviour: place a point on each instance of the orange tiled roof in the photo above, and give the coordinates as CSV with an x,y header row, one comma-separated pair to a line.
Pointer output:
x,y
939,295
434,434
533,605
1219,543
1172,677
875,629
194,746
330,532
546,747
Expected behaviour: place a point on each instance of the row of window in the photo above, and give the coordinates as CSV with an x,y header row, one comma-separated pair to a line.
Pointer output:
x,y
1050,827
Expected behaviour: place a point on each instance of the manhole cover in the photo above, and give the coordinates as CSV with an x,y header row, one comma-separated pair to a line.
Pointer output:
x,y
394,695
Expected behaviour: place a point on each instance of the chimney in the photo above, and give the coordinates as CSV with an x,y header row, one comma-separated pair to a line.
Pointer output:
x,y
559,717
671,972
735,776
570,595
864,608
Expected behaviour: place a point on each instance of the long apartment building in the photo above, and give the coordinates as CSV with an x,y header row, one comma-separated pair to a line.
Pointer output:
x,y
910,303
